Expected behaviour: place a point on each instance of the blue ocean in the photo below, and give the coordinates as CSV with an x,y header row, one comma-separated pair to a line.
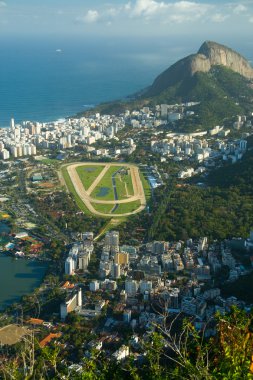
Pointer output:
x,y
46,79
43,80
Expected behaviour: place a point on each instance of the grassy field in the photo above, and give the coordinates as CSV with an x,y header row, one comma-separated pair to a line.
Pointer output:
x,y
124,208
105,208
106,182
50,161
71,188
124,185
146,186
88,174
123,182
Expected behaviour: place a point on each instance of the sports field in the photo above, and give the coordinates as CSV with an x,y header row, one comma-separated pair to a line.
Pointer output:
x,y
108,189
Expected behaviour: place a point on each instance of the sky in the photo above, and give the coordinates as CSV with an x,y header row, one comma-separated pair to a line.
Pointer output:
x,y
158,28
124,18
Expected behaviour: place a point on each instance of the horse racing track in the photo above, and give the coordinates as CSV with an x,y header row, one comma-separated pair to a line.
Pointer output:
x,y
105,189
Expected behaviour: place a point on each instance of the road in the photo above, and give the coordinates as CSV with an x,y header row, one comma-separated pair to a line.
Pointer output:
x,y
85,194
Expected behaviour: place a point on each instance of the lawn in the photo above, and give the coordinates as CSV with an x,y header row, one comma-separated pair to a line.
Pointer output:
x,y
50,161
124,185
104,208
123,182
71,188
124,208
146,186
88,174
105,183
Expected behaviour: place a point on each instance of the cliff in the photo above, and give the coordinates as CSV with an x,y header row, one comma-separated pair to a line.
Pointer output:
x,y
209,55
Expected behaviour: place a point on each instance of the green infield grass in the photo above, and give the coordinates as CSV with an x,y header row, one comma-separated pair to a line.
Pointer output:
x,y
124,184
104,208
88,174
72,190
104,189
146,186
123,181
124,208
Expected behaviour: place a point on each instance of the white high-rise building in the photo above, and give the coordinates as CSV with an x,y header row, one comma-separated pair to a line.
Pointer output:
x,y
112,241
83,260
17,133
73,302
116,271
94,286
145,286
20,150
131,287
5,154
12,124
37,129
14,151
25,150
69,266
33,150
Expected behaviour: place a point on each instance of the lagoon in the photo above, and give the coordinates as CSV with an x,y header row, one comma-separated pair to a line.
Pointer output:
x,y
18,277
103,191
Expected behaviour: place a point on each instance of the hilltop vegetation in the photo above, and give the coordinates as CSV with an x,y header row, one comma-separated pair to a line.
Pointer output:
x,y
162,356
221,92
223,209
238,175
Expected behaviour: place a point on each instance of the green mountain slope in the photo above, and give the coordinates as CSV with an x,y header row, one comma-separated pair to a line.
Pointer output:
x,y
222,93
218,82
238,175
223,209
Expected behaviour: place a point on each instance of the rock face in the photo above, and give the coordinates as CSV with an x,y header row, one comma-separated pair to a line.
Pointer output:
x,y
221,55
210,54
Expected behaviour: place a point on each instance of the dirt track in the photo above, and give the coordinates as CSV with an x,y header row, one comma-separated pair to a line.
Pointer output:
x,y
85,195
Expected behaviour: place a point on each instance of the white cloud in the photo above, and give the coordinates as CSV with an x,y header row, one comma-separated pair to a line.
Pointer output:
x,y
219,17
147,7
128,6
240,8
251,19
178,11
3,4
164,12
91,16
112,12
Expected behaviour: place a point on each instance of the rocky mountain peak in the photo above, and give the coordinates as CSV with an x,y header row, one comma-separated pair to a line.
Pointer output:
x,y
210,54
218,54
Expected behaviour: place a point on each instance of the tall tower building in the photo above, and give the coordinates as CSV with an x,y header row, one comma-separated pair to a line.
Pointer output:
x,y
12,124
112,241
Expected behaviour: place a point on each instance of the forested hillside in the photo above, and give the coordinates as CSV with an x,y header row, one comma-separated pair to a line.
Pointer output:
x,y
222,209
